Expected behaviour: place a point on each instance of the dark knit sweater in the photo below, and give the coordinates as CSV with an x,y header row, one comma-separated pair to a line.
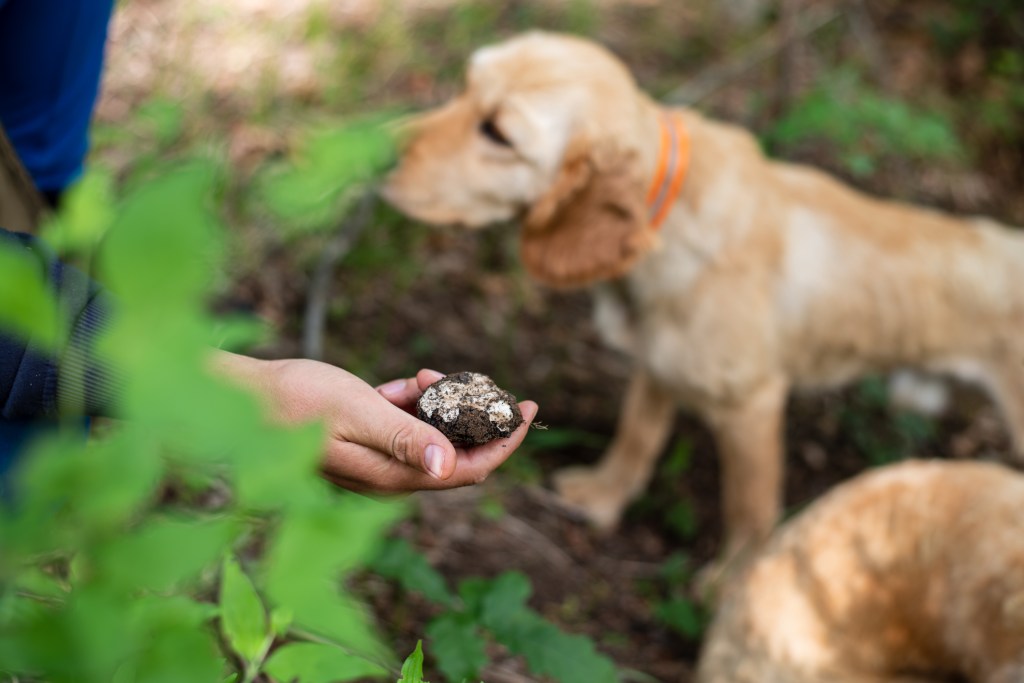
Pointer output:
x,y
31,385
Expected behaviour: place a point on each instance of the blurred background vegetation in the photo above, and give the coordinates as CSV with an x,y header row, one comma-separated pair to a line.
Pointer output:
x,y
920,100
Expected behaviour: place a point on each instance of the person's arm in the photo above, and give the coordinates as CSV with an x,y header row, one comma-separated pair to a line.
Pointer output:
x,y
373,443
34,384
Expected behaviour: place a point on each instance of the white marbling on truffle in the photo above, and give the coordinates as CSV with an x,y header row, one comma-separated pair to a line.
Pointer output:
x,y
480,392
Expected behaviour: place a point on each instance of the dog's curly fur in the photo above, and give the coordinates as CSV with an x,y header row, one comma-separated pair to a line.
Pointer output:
x,y
913,572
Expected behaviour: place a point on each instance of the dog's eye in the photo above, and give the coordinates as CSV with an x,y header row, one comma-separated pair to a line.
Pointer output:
x,y
490,131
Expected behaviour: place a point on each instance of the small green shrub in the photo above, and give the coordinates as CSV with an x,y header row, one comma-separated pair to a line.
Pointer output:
x,y
864,126
491,609
677,609
110,570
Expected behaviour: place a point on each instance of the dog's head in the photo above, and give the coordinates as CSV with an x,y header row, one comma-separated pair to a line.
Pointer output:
x,y
546,131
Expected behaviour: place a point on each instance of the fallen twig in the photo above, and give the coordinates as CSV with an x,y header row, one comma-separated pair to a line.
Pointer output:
x,y
320,285
538,541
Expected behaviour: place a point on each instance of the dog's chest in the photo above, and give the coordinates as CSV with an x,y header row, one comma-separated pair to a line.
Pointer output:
x,y
615,317
674,346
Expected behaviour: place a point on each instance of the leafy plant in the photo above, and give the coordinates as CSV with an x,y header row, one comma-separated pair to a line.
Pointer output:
x,y
678,610
881,434
412,669
864,125
491,609
311,191
105,574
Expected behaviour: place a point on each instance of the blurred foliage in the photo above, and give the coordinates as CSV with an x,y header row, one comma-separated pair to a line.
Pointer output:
x,y
103,576
458,636
27,307
86,214
677,609
681,514
880,433
327,169
992,108
666,503
114,563
864,126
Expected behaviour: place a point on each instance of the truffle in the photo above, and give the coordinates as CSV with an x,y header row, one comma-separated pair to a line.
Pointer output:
x,y
469,408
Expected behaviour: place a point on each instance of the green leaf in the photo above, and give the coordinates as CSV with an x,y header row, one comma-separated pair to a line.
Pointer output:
x,y
682,518
164,552
176,646
457,646
164,119
332,534
318,663
316,544
677,569
86,212
72,491
679,460
412,668
507,597
160,251
280,620
243,618
36,582
28,309
399,561
550,652
237,333
312,189
501,606
683,616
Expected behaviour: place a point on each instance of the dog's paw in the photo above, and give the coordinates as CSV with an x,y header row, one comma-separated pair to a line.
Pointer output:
x,y
585,491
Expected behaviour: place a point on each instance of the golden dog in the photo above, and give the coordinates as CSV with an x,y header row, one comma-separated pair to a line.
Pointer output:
x,y
910,573
729,278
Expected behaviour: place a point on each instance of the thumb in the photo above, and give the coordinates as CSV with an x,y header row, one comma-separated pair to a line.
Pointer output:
x,y
393,431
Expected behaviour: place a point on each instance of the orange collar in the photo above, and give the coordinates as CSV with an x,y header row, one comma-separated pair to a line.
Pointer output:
x,y
673,161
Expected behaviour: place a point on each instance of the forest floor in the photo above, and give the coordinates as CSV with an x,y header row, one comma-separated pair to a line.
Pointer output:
x,y
245,78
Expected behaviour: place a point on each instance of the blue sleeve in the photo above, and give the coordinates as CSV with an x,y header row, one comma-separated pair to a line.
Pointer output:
x,y
51,57
31,383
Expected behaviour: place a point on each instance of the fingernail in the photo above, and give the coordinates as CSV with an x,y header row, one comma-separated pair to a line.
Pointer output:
x,y
393,388
434,374
434,457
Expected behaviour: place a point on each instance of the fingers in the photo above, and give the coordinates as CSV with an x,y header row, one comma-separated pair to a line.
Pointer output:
x,y
425,377
361,468
382,426
405,392
401,392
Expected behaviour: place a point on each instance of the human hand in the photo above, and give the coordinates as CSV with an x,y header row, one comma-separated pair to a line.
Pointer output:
x,y
373,442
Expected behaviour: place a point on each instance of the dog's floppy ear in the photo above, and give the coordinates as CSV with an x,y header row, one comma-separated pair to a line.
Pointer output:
x,y
592,224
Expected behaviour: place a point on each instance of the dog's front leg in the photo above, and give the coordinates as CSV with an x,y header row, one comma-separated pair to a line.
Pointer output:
x,y
748,435
601,493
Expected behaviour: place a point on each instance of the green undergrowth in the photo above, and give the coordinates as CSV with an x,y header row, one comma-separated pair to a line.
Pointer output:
x,y
485,611
191,540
